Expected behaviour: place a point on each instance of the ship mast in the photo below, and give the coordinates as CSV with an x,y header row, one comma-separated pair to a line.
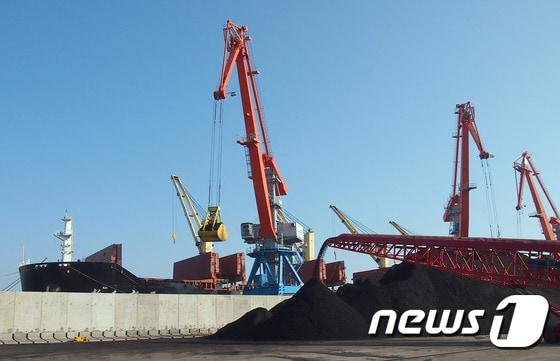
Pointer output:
x,y
66,238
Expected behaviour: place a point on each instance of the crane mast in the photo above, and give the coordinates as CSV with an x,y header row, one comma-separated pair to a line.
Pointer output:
x,y
457,209
524,166
276,253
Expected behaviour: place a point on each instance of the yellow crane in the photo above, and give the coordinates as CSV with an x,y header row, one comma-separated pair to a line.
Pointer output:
x,y
403,231
205,232
353,228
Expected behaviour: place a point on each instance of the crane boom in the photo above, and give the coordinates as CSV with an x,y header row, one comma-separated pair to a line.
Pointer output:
x,y
344,219
457,209
403,231
191,215
550,226
381,262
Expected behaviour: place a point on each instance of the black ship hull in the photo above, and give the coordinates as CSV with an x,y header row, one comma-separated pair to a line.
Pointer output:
x,y
95,277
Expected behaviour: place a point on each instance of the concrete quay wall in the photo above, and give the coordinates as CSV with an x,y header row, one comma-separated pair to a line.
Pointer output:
x,y
52,315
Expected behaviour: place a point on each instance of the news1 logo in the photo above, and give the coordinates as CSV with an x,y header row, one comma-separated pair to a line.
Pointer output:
x,y
526,327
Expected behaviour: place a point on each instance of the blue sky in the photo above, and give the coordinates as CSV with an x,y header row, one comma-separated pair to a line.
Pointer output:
x,y
101,101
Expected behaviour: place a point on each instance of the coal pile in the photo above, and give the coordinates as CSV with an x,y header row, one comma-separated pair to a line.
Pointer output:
x,y
406,286
313,313
245,327
317,313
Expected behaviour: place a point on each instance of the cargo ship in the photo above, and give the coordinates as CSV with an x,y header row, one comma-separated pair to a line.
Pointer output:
x,y
94,277
103,272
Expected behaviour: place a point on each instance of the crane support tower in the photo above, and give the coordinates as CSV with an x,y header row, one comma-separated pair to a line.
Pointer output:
x,y
457,209
277,243
524,166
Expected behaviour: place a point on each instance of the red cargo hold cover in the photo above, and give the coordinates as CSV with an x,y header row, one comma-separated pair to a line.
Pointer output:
x,y
201,267
232,267
110,254
306,270
374,275
336,273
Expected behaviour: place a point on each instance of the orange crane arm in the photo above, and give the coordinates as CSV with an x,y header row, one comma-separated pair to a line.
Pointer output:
x,y
544,189
236,53
526,170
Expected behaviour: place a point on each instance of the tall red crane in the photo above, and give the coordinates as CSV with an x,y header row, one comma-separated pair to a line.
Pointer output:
x,y
457,210
524,166
236,53
276,254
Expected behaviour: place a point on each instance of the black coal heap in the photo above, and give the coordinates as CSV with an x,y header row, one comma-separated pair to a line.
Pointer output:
x,y
313,313
317,313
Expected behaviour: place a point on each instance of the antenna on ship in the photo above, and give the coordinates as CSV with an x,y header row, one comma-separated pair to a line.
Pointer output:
x,y
24,261
66,236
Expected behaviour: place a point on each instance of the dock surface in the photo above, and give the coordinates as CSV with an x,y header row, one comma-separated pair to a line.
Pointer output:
x,y
440,348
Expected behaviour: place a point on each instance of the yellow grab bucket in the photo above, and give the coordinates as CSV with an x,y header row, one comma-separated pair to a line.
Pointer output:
x,y
212,229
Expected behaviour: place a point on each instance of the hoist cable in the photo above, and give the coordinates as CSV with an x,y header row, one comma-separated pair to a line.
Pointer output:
x,y
260,109
487,198
493,195
220,147
11,285
517,181
215,178
361,227
9,274
455,160
491,199
197,207
173,215
292,218
212,148
519,224
520,210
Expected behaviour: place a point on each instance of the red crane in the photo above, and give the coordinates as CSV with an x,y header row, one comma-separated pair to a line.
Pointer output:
x,y
277,252
236,53
550,226
457,210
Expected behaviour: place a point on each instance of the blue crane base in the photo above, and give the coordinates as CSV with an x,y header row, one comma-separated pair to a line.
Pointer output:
x,y
279,277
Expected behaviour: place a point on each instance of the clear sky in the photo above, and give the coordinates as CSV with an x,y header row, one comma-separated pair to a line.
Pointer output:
x,y
101,101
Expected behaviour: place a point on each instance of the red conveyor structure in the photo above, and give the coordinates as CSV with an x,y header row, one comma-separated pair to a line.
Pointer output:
x,y
507,262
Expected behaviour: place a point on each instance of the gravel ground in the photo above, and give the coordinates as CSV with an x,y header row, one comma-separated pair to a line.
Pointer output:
x,y
449,348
